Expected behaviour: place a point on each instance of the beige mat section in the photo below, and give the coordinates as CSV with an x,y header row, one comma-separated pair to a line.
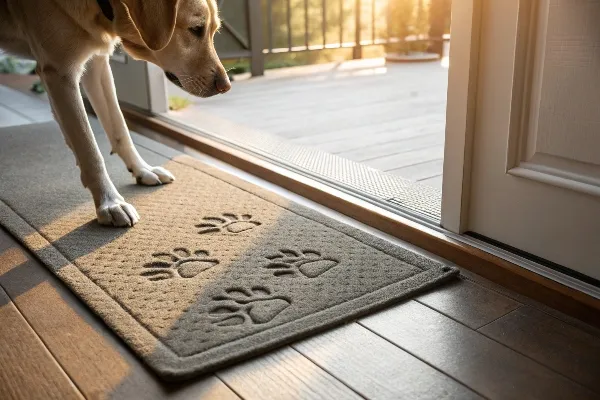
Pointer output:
x,y
218,270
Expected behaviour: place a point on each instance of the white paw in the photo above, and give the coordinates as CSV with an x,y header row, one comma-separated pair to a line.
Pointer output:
x,y
117,213
152,176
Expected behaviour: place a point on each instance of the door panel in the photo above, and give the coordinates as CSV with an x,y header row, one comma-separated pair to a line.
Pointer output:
x,y
535,182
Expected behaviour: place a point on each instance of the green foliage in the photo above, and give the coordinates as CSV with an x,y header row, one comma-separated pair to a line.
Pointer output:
x,y
177,103
38,88
242,65
14,65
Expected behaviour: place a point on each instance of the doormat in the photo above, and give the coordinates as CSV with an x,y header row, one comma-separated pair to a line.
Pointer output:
x,y
217,270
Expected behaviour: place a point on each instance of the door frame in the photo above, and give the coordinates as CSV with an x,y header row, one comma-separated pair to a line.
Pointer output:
x,y
460,113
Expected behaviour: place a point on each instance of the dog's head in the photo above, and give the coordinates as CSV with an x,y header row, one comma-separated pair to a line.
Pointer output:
x,y
176,35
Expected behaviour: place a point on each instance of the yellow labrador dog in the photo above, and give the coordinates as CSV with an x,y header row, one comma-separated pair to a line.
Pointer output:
x,y
71,41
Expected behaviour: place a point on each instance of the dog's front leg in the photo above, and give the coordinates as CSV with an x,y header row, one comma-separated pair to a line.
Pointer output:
x,y
67,104
100,88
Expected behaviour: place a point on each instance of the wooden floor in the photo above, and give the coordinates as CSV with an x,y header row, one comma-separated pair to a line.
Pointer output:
x,y
467,339
390,117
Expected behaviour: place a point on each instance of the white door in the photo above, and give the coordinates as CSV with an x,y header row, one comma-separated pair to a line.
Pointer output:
x,y
535,172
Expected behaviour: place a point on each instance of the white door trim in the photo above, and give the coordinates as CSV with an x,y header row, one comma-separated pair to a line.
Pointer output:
x,y
460,113
157,89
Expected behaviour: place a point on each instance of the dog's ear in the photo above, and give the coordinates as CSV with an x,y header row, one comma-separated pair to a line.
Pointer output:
x,y
153,19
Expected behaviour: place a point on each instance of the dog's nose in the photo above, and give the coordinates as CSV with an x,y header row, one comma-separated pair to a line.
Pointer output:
x,y
222,83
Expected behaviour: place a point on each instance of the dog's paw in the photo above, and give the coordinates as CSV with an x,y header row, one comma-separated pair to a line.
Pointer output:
x,y
152,176
117,213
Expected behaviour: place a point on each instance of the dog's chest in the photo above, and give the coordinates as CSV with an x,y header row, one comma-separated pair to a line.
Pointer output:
x,y
106,46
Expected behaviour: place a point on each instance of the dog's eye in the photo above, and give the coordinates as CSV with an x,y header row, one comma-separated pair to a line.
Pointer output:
x,y
198,31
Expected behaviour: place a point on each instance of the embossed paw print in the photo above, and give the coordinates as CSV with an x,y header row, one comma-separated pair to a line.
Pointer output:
x,y
238,306
231,223
290,263
178,263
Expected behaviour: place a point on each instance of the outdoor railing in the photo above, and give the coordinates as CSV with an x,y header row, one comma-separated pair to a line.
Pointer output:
x,y
261,27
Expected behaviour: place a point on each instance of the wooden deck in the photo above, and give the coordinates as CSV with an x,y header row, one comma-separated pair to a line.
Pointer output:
x,y
469,339
390,117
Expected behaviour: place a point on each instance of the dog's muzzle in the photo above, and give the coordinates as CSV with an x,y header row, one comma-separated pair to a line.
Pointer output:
x,y
171,76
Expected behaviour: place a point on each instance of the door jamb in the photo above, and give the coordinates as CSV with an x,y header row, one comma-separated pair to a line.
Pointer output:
x,y
460,113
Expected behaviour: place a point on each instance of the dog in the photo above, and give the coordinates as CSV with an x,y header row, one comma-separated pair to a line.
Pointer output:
x,y
71,40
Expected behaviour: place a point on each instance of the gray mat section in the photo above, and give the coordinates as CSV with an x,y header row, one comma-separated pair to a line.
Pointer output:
x,y
216,271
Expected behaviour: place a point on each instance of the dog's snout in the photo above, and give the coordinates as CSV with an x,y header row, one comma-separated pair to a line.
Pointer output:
x,y
222,83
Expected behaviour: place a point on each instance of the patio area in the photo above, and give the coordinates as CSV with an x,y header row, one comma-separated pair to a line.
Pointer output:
x,y
388,116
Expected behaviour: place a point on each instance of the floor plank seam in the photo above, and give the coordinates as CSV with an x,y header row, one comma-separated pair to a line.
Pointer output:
x,y
495,319
329,373
424,361
216,375
58,363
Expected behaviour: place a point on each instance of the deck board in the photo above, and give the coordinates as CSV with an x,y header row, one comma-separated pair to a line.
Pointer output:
x,y
357,110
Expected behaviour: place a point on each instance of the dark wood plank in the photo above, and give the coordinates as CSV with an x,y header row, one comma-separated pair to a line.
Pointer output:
x,y
27,369
481,281
377,369
482,364
99,363
469,303
551,342
284,374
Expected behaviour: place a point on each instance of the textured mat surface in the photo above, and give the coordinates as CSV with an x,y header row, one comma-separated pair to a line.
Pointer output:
x,y
217,270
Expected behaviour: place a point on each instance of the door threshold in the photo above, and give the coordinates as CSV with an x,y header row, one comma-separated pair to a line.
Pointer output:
x,y
553,288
